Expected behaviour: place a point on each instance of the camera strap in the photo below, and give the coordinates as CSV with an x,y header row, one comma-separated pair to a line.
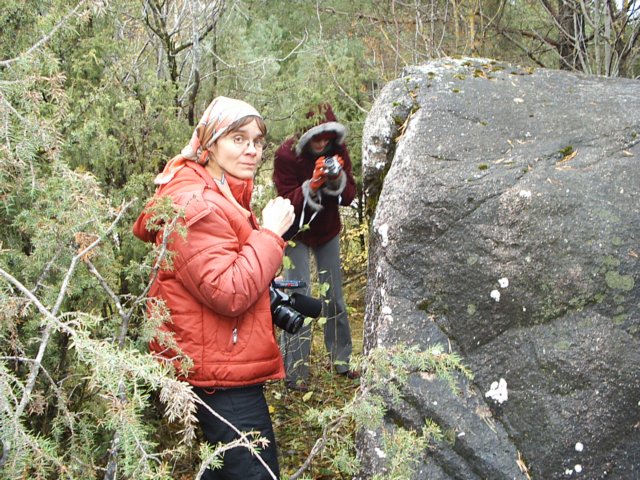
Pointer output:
x,y
304,208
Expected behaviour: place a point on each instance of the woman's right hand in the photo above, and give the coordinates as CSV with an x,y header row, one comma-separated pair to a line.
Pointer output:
x,y
278,215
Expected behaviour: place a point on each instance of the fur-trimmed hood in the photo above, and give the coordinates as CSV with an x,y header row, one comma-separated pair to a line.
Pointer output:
x,y
326,125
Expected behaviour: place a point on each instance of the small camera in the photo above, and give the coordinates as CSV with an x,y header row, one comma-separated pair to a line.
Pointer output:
x,y
332,167
289,311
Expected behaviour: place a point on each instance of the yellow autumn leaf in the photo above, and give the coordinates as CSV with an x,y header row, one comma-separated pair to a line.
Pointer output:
x,y
569,156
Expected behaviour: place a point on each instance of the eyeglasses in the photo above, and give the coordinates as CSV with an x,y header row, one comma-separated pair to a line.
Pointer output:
x,y
241,141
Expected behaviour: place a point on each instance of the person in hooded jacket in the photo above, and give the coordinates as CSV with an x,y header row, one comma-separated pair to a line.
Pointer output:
x,y
316,190
217,290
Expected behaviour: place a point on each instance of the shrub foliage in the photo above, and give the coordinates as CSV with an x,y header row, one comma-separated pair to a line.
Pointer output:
x,y
96,95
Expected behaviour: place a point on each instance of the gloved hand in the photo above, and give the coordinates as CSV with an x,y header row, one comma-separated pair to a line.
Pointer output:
x,y
318,178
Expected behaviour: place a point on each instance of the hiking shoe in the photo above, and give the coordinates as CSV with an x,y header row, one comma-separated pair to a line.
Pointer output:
x,y
298,386
350,374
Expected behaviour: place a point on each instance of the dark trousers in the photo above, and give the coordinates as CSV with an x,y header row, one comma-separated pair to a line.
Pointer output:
x,y
245,408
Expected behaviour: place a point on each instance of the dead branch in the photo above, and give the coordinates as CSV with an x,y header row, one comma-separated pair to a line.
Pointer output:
x,y
332,68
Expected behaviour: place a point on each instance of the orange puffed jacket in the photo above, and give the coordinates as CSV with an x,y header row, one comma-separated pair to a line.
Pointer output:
x,y
217,289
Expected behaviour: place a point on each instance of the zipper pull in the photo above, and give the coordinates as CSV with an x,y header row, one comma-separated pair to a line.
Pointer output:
x,y
235,336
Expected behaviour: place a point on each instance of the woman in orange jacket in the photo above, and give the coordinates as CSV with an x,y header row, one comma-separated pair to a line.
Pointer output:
x,y
217,289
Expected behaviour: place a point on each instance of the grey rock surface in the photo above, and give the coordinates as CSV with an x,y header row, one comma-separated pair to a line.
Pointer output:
x,y
507,225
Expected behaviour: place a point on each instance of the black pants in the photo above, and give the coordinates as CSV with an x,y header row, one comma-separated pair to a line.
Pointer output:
x,y
245,408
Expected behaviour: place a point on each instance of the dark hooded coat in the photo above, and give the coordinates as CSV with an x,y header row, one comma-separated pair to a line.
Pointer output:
x,y
293,166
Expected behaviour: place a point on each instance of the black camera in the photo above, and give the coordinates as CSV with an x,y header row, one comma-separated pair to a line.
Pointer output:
x,y
332,167
289,311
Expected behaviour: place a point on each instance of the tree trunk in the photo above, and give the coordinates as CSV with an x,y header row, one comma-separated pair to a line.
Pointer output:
x,y
571,41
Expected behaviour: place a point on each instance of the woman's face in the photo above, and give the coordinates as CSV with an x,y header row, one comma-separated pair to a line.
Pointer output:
x,y
318,144
238,153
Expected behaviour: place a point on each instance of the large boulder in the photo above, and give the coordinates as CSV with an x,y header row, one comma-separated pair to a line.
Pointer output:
x,y
507,228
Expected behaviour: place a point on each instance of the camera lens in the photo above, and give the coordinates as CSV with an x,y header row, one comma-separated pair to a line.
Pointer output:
x,y
287,318
332,167
282,314
289,311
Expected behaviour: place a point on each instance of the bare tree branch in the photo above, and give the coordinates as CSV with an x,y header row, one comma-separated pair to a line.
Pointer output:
x,y
332,68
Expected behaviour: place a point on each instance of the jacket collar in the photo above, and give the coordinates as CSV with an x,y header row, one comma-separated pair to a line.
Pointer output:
x,y
236,191
240,189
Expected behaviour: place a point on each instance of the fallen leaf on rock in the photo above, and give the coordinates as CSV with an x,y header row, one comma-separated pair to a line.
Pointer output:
x,y
568,156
